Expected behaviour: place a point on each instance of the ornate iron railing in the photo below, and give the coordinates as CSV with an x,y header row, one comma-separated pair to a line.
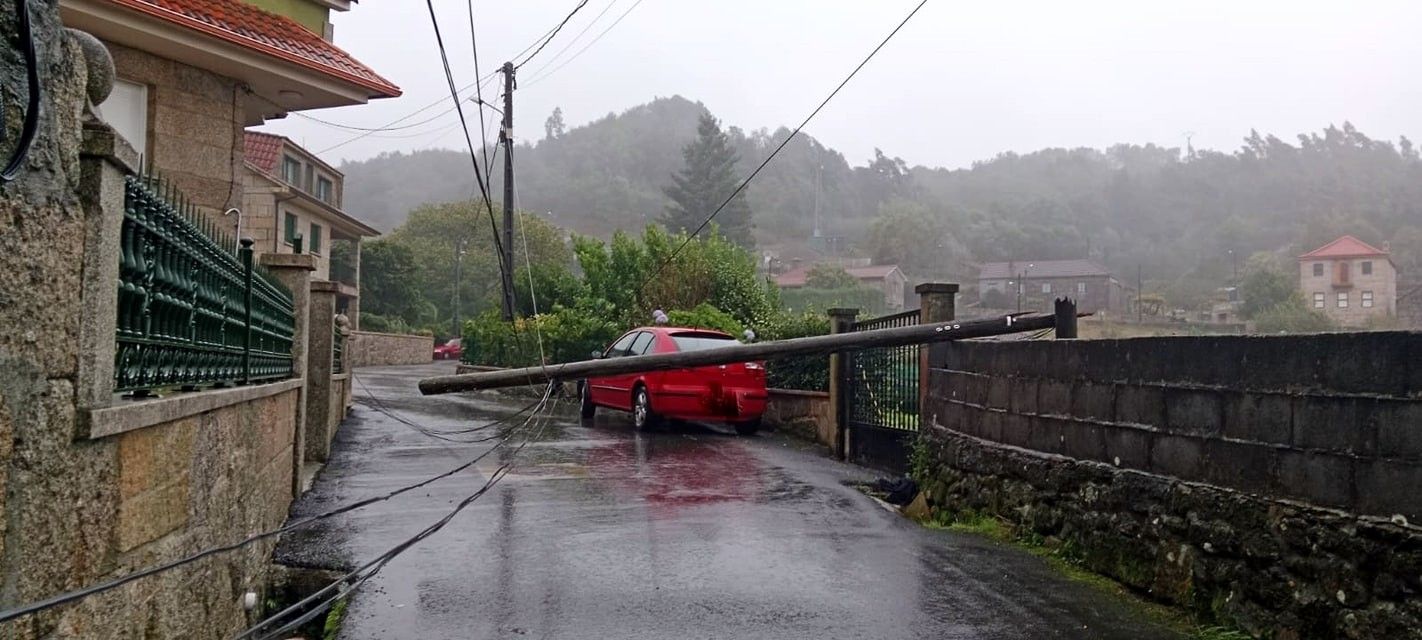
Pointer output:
x,y
192,308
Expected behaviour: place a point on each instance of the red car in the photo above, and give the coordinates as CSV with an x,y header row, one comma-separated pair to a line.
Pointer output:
x,y
733,393
451,350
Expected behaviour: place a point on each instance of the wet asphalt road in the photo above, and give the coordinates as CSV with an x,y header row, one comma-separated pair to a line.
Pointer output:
x,y
688,532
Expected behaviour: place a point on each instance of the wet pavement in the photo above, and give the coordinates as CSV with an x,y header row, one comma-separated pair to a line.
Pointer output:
x,y
688,532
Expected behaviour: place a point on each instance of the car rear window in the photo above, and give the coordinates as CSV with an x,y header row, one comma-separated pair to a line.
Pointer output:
x,y
695,341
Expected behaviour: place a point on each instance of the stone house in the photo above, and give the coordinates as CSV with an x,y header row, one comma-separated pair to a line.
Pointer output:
x,y
193,74
1038,282
1350,281
292,197
888,278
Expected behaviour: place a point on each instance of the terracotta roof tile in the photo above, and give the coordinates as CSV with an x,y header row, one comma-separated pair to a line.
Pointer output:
x,y
248,26
262,150
1344,247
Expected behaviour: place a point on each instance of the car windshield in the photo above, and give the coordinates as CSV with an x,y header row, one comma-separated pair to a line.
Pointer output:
x,y
698,341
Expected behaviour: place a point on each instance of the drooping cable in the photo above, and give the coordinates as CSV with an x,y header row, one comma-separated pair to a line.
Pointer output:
x,y
552,34
539,77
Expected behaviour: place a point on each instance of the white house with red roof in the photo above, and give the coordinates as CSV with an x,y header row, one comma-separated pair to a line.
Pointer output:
x,y
193,74
1350,281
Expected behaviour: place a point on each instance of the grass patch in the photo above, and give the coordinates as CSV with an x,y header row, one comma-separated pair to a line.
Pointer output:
x,y
334,618
1065,559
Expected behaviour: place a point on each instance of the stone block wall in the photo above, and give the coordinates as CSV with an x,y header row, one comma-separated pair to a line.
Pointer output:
x,y
805,414
1270,481
370,349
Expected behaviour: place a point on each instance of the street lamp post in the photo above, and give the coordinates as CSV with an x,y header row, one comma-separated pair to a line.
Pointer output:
x,y
459,246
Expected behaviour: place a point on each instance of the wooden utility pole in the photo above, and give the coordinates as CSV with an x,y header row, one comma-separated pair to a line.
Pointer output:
x,y
506,138
815,345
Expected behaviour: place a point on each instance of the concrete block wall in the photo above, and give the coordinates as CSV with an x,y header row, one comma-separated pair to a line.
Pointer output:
x,y
370,349
1270,481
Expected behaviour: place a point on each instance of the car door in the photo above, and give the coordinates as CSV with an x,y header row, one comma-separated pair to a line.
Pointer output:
x,y
619,387
603,390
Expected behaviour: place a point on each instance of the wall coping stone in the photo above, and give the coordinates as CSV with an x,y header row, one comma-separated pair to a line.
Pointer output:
x,y
338,377
414,336
935,287
289,261
119,418
325,286
800,393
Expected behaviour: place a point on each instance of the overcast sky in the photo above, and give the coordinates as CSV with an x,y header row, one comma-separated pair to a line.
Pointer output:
x,y
962,82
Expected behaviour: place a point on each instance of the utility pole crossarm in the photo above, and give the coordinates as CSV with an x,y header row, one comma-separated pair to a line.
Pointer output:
x,y
815,345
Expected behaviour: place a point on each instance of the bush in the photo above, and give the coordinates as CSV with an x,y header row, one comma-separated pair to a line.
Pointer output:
x,y
1292,316
567,333
705,316
806,373
383,324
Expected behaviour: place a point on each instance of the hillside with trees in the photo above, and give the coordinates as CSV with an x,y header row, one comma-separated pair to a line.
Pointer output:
x,y
1188,220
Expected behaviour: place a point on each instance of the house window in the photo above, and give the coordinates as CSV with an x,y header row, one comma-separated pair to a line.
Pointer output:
x,y
1318,300
324,189
310,184
289,231
1046,287
1342,273
1342,299
1367,299
315,238
126,110
1367,267
1318,268
291,170
1081,288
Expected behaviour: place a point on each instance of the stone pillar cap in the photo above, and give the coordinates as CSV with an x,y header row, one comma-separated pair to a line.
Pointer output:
x,y
304,261
936,287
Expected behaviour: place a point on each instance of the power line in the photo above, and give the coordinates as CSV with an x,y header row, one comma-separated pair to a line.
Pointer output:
x,y
79,594
343,586
540,78
552,35
575,38
782,145
473,157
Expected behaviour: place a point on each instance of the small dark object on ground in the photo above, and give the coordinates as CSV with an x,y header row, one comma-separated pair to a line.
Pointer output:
x,y
900,491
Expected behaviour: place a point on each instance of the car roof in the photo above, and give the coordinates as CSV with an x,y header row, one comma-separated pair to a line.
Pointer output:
x,y
665,330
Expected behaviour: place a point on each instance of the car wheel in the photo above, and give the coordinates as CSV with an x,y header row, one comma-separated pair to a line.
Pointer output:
x,y
748,428
586,408
643,418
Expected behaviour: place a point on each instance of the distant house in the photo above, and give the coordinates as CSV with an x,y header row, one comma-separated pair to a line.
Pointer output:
x,y
1087,282
1349,280
290,196
888,278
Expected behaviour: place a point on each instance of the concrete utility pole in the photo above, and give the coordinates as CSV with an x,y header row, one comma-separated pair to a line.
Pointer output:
x,y
506,138
814,345
459,246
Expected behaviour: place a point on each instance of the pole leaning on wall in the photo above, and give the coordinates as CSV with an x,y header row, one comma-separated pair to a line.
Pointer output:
x,y
815,345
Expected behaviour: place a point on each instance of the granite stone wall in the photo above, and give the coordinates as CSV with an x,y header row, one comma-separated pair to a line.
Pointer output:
x,y
370,349
1269,481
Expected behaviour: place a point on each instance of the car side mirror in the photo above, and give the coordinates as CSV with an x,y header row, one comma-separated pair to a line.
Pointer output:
x,y
596,355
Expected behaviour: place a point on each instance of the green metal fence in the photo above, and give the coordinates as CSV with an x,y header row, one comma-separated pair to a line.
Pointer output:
x,y
193,310
338,349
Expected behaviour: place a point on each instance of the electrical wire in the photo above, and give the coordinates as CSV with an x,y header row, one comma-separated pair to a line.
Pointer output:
x,y
575,38
742,186
342,587
473,157
438,434
539,78
79,594
32,106
553,34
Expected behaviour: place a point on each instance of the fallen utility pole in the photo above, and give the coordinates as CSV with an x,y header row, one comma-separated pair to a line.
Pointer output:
x,y
815,345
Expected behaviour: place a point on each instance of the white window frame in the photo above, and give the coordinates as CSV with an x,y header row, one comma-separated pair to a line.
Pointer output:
x,y
1046,287
1367,300
1342,299
126,110
1081,288
1319,300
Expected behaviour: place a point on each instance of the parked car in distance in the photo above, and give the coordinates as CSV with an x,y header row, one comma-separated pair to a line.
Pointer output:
x,y
731,393
451,350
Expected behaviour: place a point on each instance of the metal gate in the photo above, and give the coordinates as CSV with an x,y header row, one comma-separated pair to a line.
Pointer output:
x,y
880,390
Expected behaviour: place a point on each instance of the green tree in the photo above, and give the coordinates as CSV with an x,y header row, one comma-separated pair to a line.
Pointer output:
x,y
908,234
554,127
389,281
1292,315
706,180
829,276
1265,286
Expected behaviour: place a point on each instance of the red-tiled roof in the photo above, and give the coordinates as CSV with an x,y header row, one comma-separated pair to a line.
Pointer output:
x,y
262,150
1345,247
798,276
1041,269
245,25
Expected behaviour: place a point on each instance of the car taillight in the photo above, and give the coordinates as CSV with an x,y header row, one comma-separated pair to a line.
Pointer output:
x,y
755,366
